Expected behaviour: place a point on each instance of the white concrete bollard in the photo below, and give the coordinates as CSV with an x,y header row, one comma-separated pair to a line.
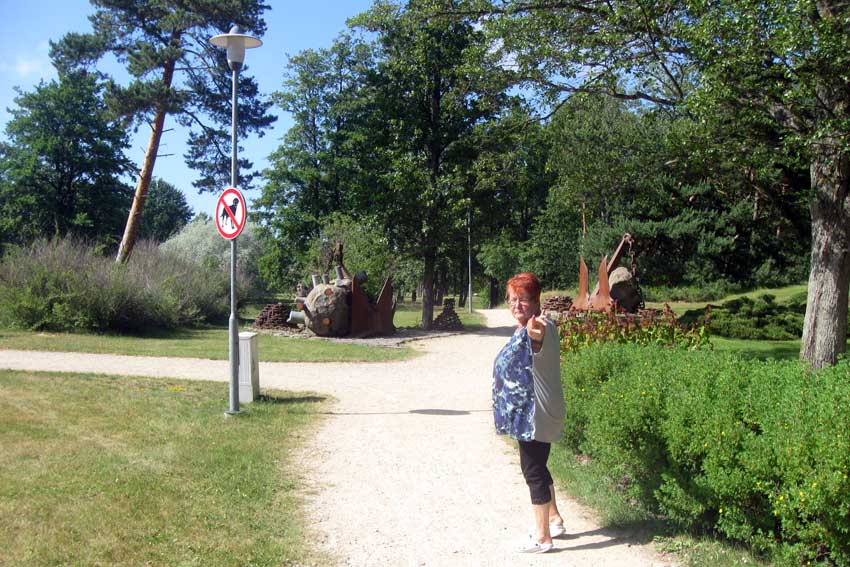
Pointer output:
x,y
249,368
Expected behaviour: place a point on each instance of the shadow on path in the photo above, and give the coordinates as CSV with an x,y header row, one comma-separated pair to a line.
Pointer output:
x,y
425,411
505,331
633,533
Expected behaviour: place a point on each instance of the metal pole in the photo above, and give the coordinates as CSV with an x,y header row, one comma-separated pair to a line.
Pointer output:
x,y
469,257
233,326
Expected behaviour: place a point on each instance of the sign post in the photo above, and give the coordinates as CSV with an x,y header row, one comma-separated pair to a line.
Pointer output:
x,y
231,213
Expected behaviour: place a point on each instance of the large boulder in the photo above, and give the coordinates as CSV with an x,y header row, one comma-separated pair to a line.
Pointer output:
x,y
624,290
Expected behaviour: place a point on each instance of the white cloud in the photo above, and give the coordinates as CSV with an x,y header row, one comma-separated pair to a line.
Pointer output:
x,y
30,66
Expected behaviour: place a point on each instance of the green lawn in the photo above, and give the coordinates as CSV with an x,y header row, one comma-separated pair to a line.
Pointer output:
x,y
409,314
211,343
103,470
781,294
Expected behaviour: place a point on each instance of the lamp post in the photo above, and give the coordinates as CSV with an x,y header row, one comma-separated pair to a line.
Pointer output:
x,y
469,257
235,42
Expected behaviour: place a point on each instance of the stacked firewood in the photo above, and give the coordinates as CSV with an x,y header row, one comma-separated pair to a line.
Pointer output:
x,y
448,319
557,304
273,316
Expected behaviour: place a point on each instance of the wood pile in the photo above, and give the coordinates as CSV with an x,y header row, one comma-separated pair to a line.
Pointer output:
x,y
557,304
273,316
448,319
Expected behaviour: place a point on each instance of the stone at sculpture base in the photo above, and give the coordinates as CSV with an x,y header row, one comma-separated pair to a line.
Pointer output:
x,y
624,290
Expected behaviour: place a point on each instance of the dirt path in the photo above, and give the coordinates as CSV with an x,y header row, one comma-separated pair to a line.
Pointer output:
x,y
406,469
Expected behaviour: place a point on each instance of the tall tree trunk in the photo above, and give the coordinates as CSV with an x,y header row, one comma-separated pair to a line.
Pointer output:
x,y
134,219
428,289
825,325
494,293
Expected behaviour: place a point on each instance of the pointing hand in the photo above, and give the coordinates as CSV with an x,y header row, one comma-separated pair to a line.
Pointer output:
x,y
536,328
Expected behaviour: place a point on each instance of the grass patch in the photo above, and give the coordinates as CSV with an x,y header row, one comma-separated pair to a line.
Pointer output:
x,y
781,295
409,314
760,350
102,470
209,343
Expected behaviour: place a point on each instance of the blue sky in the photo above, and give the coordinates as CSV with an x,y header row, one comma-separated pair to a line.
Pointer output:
x,y
293,25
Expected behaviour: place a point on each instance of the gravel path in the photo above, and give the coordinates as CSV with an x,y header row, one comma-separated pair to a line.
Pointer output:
x,y
405,469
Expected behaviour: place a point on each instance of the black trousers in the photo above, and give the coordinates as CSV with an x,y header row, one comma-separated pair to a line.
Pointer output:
x,y
532,459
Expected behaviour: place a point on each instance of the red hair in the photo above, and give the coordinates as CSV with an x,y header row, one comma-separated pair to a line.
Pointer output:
x,y
527,282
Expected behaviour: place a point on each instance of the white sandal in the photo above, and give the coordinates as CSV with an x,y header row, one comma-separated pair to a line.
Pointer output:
x,y
557,530
531,545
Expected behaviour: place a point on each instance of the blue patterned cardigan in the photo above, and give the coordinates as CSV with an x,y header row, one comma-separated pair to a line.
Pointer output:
x,y
513,388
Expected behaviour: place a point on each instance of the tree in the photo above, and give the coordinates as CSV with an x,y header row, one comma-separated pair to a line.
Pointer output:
x,y
509,183
324,156
435,80
167,212
157,40
785,64
365,247
761,64
62,164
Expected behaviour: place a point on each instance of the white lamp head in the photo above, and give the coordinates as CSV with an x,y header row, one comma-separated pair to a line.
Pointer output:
x,y
236,43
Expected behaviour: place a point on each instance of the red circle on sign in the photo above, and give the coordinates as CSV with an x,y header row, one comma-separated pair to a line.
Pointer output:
x,y
231,213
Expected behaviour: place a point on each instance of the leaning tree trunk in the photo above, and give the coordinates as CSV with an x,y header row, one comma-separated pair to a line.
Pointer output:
x,y
134,219
825,325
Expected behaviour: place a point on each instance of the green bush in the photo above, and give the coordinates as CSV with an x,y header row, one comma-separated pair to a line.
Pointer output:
x,y
199,243
761,318
756,451
65,285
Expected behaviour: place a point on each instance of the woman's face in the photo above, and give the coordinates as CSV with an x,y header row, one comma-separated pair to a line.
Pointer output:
x,y
523,307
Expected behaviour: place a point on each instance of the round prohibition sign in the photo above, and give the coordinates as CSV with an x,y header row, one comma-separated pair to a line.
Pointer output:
x,y
230,213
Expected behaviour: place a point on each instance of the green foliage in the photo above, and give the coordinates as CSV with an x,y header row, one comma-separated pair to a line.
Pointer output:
x,y
435,80
365,249
623,168
581,329
756,451
166,212
199,243
759,318
64,285
59,172
500,258
552,249
174,69
327,162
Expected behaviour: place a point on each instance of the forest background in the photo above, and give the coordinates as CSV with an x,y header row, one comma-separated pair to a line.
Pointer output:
x,y
714,133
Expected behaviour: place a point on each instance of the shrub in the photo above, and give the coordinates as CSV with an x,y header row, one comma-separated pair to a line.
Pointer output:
x,y
756,451
199,243
761,318
65,285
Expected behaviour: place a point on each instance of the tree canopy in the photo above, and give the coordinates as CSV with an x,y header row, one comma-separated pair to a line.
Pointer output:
x,y
60,169
165,48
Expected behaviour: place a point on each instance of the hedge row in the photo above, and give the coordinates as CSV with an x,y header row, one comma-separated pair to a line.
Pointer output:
x,y
65,285
757,451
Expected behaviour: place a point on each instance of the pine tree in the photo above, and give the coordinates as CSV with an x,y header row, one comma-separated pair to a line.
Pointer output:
x,y
164,45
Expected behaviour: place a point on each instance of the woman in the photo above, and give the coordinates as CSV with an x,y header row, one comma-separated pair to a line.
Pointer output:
x,y
528,403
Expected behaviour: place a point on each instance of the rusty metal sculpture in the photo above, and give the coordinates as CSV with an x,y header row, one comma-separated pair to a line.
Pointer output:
x,y
342,308
601,299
